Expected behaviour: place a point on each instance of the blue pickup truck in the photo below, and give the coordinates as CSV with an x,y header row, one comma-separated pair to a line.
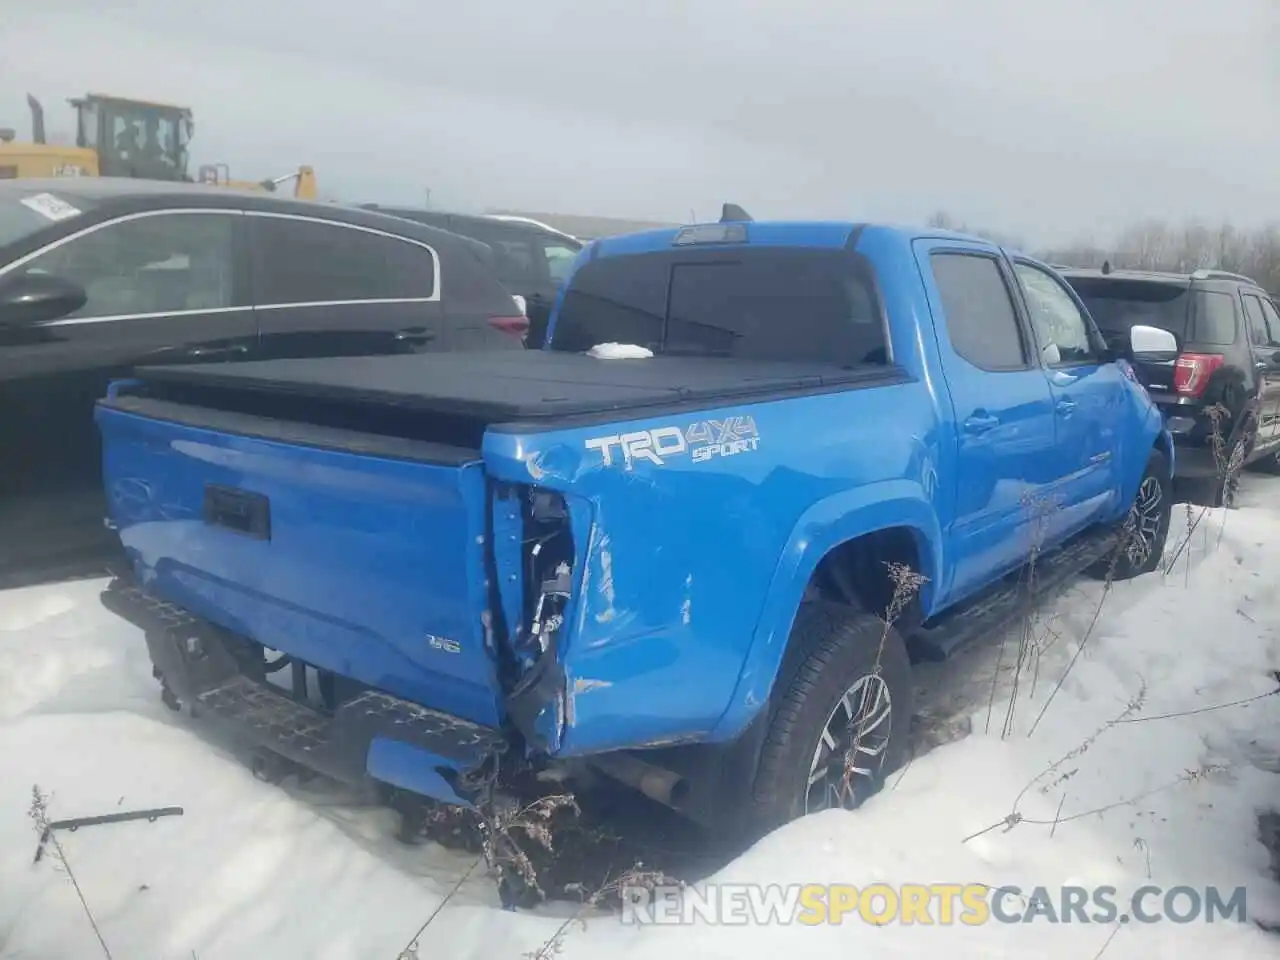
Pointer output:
x,y
661,548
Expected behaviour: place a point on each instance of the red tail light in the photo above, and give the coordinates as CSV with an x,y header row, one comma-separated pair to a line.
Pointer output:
x,y
1191,372
516,326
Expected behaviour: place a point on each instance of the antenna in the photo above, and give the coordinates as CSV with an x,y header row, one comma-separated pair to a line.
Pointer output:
x,y
1106,267
732,213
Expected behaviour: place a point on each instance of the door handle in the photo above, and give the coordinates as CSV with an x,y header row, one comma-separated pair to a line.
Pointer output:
x,y
236,349
415,335
981,423
1066,407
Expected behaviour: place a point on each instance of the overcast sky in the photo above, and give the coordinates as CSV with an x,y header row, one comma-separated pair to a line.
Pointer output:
x,y
1053,121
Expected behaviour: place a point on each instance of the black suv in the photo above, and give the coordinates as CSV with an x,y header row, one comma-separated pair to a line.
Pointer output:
x,y
531,260
1228,333
98,275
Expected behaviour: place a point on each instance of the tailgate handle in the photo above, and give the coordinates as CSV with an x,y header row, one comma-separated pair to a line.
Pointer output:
x,y
237,510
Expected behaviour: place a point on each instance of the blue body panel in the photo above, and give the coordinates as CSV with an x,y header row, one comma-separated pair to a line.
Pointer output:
x,y
689,571
369,561
680,559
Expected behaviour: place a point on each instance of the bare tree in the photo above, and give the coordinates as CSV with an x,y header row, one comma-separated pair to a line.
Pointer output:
x,y
1193,245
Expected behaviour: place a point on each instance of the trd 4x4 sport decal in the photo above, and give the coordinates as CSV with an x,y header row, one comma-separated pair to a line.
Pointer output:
x,y
701,440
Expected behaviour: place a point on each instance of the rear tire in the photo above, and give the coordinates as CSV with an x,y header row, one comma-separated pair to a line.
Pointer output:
x,y
1146,527
850,673
1227,483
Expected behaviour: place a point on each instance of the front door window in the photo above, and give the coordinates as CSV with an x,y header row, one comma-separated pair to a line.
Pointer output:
x,y
166,263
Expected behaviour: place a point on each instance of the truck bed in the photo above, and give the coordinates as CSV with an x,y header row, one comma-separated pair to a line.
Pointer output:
x,y
501,387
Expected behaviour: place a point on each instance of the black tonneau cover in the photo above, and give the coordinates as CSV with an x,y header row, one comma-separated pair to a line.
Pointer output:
x,y
505,386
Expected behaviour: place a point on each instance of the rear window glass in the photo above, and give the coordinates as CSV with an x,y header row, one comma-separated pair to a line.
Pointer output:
x,y
23,214
1213,317
1117,305
761,304
515,261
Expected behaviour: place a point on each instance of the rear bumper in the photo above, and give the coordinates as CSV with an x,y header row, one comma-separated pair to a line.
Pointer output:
x,y
1193,459
372,736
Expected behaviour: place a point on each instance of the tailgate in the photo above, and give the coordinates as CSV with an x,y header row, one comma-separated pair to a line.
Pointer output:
x,y
358,554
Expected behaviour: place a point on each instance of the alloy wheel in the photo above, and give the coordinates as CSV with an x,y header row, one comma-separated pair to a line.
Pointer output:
x,y
851,747
1145,521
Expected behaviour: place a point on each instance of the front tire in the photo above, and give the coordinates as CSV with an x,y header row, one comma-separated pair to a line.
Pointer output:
x,y
841,716
1146,527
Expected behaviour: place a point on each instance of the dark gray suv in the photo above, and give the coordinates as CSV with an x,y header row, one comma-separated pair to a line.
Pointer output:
x,y
530,259
1227,367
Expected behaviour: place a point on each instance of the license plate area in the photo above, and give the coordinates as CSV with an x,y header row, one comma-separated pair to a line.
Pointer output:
x,y
240,511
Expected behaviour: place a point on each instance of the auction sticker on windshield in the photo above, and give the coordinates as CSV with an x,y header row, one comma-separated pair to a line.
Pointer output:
x,y
47,205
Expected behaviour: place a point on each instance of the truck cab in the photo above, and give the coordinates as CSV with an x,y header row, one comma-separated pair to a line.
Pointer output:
x,y
134,138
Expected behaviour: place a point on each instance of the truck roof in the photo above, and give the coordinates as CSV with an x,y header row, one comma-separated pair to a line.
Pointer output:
x,y
1156,276
783,233
1150,276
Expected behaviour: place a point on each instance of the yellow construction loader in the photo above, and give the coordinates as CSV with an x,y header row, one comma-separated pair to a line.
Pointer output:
x,y
120,137
304,180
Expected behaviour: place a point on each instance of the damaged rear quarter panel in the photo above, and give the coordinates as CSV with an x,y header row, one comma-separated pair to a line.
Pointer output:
x,y
674,569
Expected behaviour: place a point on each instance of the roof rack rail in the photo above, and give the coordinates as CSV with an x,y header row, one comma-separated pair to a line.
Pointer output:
x,y
1206,274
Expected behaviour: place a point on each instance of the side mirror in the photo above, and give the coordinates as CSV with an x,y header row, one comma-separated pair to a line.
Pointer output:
x,y
1152,345
37,297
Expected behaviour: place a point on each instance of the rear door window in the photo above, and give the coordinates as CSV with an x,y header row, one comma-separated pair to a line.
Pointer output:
x,y
1273,322
1256,320
766,304
980,319
311,261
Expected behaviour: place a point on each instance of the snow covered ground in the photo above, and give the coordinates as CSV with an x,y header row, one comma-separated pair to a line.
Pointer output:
x,y
252,870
